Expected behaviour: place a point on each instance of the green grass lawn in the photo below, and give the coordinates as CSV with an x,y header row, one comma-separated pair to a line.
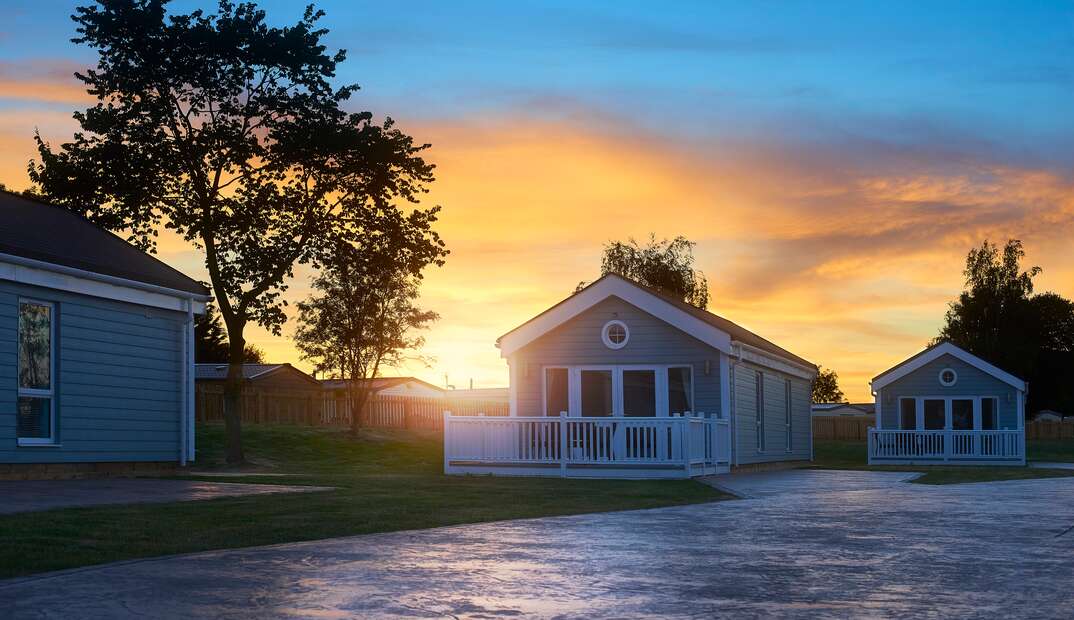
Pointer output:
x,y
386,480
852,455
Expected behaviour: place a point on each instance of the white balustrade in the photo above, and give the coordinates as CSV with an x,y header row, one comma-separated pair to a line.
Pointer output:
x,y
692,442
946,445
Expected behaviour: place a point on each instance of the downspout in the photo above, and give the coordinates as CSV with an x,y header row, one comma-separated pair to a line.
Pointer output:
x,y
184,371
189,445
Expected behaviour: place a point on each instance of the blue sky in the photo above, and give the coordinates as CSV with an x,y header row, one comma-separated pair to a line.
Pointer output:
x,y
833,160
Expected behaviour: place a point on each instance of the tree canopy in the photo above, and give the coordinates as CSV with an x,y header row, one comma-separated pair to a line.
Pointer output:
x,y
826,387
667,266
229,131
363,316
998,318
211,344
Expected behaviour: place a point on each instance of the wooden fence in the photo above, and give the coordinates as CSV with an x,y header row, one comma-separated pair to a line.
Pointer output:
x,y
856,428
850,428
319,408
1043,429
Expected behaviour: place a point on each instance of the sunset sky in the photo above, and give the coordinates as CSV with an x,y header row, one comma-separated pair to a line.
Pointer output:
x,y
834,162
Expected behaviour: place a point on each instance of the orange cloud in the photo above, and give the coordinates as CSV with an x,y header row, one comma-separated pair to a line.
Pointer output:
x,y
847,263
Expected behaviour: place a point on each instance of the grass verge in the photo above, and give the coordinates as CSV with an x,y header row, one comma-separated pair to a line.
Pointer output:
x,y
385,481
852,455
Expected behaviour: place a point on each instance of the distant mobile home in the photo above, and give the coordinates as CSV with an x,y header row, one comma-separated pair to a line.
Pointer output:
x,y
946,405
96,347
620,380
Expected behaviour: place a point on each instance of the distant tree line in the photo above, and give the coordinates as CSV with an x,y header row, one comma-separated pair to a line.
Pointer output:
x,y
999,318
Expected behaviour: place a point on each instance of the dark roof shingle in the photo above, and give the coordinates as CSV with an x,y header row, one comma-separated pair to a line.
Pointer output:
x,y
33,229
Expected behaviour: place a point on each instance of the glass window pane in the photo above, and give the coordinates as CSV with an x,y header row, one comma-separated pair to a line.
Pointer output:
x,y
555,382
989,414
596,393
639,393
679,390
35,344
962,415
908,414
935,417
35,421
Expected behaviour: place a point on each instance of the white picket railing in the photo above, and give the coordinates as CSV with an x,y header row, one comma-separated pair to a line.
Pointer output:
x,y
946,445
691,444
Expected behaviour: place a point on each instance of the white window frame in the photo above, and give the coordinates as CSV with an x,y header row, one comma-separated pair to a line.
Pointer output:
x,y
761,439
574,386
919,410
544,387
789,417
954,373
608,341
50,393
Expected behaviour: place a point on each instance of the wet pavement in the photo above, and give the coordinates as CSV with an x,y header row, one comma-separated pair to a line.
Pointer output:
x,y
850,547
33,495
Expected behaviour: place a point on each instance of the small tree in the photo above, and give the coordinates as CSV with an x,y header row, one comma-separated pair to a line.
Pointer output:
x,y
826,387
230,132
667,266
364,314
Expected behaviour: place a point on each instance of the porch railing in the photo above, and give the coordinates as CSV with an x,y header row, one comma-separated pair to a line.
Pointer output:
x,y
691,443
946,445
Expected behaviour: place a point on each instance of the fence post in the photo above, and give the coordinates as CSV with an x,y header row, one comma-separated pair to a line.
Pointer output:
x,y
563,444
447,440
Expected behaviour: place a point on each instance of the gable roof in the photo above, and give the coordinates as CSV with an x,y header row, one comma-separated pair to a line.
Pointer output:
x,y
707,327
218,372
935,352
36,230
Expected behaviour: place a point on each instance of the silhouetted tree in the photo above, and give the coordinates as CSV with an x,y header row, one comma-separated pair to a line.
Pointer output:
x,y
998,318
210,341
364,314
826,387
230,132
667,266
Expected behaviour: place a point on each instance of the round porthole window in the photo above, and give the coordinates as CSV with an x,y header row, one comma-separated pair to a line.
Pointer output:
x,y
948,377
615,334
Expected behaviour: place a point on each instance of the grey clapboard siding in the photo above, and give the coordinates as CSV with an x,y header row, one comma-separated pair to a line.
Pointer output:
x,y
652,341
775,416
118,372
925,381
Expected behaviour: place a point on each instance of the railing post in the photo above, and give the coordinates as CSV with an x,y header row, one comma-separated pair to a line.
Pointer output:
x,y
562,444
947,437
684,437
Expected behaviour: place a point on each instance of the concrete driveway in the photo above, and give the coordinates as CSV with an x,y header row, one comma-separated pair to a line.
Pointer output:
x,y
889,549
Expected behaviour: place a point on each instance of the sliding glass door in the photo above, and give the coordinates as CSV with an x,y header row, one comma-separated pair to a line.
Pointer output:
x,y
626,391
639,393
596,398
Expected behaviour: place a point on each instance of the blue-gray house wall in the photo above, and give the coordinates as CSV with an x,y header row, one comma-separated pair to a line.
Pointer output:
x,y
118,379
925,382
578,342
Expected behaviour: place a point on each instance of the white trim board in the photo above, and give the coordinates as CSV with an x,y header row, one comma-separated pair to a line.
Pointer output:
x,y
613,286
69,279
937,352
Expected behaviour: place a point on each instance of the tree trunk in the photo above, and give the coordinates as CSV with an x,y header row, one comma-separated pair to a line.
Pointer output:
x,y
233,399
357,399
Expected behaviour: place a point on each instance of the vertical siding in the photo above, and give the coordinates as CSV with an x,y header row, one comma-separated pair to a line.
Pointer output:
x,y
775,429
652,341
117,387
971,382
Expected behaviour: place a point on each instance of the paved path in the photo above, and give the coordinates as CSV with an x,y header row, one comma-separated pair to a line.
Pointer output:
x,y
893,550
32,495
1051,465
807,481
